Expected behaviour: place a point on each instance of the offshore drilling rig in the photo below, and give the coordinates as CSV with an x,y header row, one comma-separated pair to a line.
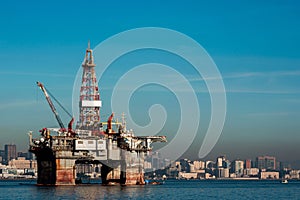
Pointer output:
x,y
118,150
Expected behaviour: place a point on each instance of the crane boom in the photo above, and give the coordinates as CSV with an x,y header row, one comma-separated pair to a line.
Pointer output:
x,y
51,105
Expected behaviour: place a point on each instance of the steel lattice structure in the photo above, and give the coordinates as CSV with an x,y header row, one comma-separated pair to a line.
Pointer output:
x,y
89,102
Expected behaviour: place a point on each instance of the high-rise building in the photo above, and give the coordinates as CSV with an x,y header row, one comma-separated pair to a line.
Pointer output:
x,y
227,164
247,164
266,162
27,155
2,156
10,152
157,162
220,162
237,167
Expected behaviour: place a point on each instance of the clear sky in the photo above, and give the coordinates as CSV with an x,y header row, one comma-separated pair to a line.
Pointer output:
x,y
255,45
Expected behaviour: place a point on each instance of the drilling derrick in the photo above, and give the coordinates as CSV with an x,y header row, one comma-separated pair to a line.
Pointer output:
x,y
89,102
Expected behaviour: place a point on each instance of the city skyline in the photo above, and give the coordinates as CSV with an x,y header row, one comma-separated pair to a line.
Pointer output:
x,y
254,44
258,161
156,167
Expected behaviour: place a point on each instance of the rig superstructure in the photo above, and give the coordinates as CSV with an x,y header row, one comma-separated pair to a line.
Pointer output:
x,y
118,150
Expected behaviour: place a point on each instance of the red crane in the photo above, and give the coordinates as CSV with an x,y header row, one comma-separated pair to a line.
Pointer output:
x,y
109,121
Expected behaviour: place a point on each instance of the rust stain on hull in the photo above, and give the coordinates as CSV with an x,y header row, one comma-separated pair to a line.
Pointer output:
x,y
65,172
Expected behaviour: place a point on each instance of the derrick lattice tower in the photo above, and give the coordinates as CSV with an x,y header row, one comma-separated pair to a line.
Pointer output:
x,y
89,102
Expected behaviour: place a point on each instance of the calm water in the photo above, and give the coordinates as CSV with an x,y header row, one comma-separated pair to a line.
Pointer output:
x,y
172,189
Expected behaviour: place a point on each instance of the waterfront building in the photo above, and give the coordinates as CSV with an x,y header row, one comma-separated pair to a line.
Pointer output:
x,y
187,175
294,174
269,175
251,172
199,165
19,167
223,173
22,163
237,167
266,162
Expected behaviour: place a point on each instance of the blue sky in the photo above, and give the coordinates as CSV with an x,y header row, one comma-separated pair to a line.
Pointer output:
x,y
254,44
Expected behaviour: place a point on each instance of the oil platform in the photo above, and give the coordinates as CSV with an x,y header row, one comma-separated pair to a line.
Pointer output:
x,y
119,152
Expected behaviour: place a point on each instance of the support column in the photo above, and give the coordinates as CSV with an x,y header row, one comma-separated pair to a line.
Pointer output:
x,y
104,172
65,168
123,173
65,171
46,167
